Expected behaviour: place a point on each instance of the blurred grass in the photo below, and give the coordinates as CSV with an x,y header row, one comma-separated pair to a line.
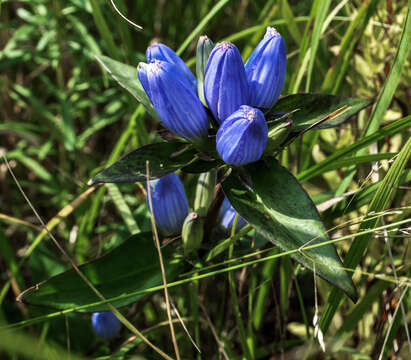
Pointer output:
x,y
62,118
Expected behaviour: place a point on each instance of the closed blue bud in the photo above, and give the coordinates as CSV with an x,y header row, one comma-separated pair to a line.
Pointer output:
x,y
225,83
242,137
227,215
265,70
105,324
170,204
174,99
164,53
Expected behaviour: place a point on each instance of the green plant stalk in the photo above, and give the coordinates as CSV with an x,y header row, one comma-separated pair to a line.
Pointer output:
x,y
251,339
322,7
104,30
379,203
268,272
302,50
201,25
301,302
285,283
236,304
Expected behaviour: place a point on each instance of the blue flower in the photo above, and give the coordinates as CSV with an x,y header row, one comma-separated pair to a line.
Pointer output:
x,y
105,324
227,215
225,83
164,53
174,99
170,204
265,70
242,137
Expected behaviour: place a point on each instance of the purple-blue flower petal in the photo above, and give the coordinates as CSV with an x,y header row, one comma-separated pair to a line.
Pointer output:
x,y
164,53
105,324
225,83
170,203
174,99
266,69
227,215
242,137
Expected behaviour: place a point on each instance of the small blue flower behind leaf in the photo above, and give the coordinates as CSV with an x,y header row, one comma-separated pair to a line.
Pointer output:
x,y
227,215
164,53
265,70
174,99
105,324
242,137
169,203
225,83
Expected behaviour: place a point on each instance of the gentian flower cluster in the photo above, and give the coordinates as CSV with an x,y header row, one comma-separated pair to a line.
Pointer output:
x,y
105,324
236,95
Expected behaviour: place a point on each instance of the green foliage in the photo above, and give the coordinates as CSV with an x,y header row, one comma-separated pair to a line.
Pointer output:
x,y
64,119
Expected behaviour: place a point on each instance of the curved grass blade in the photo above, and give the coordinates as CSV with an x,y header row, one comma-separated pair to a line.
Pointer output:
x,y
164,158
280,210
130,267
320,111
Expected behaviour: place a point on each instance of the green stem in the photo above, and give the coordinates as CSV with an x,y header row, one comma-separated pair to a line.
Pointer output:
x,y
236,304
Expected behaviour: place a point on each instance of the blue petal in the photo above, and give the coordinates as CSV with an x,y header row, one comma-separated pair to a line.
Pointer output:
x,y
164,53
242,137
266,70
169,203
174,99
227,215
105,324
225,83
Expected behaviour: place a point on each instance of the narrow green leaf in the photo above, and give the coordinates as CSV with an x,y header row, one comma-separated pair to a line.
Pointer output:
x,y
393,79
336,73
130,267
354,160
360,309
280,210
201,25
289,17
379,203
391,129
123,208
309,109
126,77
321,12
164,158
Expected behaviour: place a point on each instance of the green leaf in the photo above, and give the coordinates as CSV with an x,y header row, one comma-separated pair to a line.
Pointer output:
x,y
280,210
126,76
130,267
309,109
199,166
379,203
164,158
321,167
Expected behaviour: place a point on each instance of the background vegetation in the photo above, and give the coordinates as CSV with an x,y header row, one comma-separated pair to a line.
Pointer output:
x,y
63,119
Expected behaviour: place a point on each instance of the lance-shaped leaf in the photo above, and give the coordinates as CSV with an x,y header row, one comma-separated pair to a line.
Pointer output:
x,y
320,111
164,158
126,76
131,267
280,210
